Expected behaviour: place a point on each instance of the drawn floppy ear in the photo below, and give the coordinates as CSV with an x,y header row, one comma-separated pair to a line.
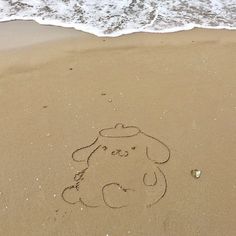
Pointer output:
x,y
156,150
82,154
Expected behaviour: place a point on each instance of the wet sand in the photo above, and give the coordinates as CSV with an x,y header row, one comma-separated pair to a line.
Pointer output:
x,y
58,93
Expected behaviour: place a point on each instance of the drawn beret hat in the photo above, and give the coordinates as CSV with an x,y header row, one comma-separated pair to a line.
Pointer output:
x,y
120,131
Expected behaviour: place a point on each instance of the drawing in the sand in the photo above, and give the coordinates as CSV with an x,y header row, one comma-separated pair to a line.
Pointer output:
x,y
122,169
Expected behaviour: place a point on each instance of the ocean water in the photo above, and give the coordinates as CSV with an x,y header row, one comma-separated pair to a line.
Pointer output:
x,y
117,17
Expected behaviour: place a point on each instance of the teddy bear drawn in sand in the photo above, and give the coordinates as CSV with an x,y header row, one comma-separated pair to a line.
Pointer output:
x,y
122,169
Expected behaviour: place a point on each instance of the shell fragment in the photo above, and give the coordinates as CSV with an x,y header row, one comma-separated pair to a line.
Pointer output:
x,y
196,173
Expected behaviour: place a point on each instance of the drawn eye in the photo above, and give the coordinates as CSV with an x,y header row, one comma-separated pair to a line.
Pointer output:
x,y
104,148
133,148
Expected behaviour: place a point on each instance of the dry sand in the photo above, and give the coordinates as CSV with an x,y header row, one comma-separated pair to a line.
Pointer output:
x,y
55,96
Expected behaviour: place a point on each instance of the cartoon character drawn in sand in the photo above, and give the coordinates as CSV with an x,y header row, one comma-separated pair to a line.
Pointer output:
x,y
122,169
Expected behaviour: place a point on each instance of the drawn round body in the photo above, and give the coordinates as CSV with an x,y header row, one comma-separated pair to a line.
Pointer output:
x,y
122,161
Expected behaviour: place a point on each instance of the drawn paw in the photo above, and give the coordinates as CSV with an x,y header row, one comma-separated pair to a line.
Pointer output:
x,y
116,196
70,195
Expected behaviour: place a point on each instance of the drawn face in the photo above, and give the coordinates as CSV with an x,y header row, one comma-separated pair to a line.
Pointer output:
x,y
124,142
121,151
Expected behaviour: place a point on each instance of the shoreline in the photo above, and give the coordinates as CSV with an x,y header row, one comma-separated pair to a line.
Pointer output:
x,y
17,34
94,31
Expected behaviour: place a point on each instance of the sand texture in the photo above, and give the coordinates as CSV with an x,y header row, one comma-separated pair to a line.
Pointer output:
x,y
119,124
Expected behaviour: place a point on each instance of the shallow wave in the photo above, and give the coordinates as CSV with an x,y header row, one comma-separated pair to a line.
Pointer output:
x,y
114,18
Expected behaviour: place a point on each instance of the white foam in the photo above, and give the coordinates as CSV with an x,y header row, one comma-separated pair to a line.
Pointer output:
x,y
114,18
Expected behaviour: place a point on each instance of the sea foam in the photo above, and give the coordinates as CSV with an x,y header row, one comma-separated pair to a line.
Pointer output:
x,y
114,18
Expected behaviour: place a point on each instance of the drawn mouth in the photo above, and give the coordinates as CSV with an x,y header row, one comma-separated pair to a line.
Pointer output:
x,y
119,153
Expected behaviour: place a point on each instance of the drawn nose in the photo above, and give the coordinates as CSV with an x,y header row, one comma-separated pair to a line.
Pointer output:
x,y
119,152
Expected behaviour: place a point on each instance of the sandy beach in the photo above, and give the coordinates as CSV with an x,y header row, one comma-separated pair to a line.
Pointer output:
x,y
60,87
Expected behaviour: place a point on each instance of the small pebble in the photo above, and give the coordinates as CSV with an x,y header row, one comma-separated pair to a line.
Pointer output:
x,y
48,134
196,173
109,100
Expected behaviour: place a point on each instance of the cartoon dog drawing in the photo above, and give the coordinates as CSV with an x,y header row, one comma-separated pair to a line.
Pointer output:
x,y
122,169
